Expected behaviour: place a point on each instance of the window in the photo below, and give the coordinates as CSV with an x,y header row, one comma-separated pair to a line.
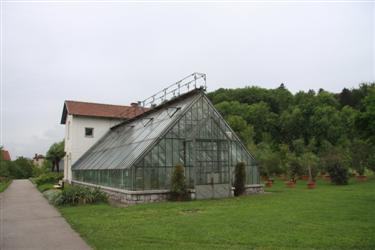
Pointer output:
x,y
68,130
89,132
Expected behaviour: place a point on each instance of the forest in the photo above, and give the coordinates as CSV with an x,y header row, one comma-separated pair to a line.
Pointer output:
x,y
305,133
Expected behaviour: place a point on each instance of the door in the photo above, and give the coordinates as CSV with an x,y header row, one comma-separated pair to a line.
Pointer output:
x,y
212,169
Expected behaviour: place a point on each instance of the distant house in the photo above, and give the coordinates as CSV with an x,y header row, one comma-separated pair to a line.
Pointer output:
x,y
5,155
85,123
38,160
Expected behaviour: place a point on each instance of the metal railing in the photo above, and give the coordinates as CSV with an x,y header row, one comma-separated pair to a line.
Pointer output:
x,y
188,83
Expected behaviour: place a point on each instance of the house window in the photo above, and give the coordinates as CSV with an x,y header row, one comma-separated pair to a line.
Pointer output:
x,y
89,132
68,130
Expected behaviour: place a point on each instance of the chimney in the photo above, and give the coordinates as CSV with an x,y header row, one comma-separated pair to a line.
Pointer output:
x,y
134,104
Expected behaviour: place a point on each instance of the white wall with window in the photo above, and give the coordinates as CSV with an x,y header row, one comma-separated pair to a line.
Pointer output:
x,y
81,132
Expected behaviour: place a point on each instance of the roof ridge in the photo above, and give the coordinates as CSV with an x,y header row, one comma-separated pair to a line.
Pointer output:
x,y
97,103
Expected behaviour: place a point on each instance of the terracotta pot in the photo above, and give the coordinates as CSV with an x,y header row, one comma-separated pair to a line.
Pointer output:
x,y
361,178
311,185
290,184
269,183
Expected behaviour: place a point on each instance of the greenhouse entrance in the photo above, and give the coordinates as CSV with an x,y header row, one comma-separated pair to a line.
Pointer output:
x,y
212,169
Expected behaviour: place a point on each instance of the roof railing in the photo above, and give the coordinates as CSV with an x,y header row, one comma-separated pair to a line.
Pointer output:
x,y
188,83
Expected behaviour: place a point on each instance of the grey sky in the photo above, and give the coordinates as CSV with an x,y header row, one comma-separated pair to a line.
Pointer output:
x,y
119,53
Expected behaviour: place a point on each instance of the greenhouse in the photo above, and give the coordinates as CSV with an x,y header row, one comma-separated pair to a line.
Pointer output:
x,y
135,159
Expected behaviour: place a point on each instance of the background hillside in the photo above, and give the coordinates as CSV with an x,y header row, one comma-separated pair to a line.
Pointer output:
x,y
280,128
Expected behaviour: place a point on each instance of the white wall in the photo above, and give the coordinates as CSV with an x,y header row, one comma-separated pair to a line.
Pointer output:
x,y
76,143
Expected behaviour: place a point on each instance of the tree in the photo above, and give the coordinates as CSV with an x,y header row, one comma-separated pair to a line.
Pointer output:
x,y
326,124
178,184
336,166
4,166
263,120
22,168
269,160
295,168
242,129
54,154
239,179
360,152
365,121
310,162
292,125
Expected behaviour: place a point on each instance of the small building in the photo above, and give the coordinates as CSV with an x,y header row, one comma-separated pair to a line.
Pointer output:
x,y
5,155
133,160
85,123
38,160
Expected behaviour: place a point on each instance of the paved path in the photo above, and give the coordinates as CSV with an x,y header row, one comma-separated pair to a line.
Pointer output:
x,y
28,221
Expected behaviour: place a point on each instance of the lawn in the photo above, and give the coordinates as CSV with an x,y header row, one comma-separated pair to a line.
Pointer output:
x,y
4,184
329,217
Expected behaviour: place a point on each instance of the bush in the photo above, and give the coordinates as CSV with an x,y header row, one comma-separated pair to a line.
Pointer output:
x,y
295,168
48,178
52,194
45,186
179,190
75,195
239,179
4,168
21,168
336,168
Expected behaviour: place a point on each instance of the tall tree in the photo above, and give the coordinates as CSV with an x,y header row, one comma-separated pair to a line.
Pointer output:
x,y
55,153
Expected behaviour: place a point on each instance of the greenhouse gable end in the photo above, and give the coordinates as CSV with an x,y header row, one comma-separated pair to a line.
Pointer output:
x,y
134,160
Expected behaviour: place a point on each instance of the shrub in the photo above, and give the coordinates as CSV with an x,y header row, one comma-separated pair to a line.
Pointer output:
x,y
179,190
239,179
4,168
21,168
74,195
45,186
295,168
336,169
48,178
52,194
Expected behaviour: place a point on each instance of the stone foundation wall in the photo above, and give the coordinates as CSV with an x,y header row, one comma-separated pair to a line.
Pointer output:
x,y
130,197
254,189
147,196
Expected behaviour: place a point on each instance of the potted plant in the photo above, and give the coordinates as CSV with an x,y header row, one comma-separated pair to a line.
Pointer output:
x,y
269,163
310,162
294,169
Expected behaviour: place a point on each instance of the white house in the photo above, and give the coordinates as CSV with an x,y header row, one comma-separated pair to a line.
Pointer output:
x,y
86,122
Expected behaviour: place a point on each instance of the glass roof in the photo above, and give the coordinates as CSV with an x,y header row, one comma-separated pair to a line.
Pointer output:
x,y
125,143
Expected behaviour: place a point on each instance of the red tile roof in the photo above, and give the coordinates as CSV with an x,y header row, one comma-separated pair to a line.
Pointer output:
x,y
5,155
100,110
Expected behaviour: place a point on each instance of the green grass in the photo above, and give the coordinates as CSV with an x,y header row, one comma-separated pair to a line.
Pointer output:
x,y
4,184
329,217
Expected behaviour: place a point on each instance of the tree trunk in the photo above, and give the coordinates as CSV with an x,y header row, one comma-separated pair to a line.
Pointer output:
x,y
53,166
310,174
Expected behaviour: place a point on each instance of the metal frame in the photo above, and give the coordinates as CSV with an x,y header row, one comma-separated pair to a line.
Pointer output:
x,y
195,80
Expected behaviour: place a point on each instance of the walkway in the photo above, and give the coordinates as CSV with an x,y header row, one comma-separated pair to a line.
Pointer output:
x,y
28,221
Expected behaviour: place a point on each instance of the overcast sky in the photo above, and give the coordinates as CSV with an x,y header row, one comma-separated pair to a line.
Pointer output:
x,y
119,53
